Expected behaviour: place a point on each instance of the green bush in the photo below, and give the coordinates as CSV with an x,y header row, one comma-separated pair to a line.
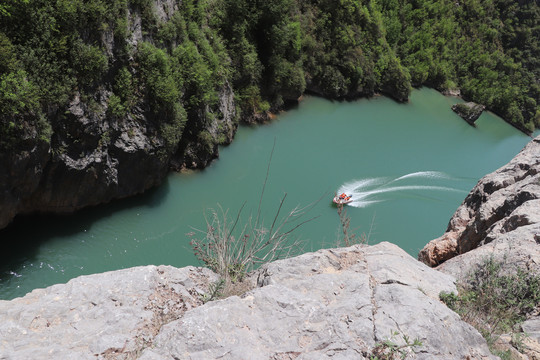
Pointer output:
x,y
389,349
18,95
116,106
156,72
89,62
494,299
8,57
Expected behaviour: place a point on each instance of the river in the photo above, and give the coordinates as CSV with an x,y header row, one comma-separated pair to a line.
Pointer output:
x,y
409,166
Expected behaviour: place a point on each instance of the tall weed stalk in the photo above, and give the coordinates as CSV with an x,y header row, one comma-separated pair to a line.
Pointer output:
x,y
232,248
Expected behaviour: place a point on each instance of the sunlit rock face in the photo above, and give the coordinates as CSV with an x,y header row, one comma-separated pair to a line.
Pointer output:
x,y
339,303
501,212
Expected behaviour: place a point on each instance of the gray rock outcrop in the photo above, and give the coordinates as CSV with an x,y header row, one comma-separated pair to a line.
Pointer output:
x,y
501,212
100,315
499,220
470,112
337,303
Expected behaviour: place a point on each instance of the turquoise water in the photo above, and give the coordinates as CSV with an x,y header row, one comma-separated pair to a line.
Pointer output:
x,y
409,167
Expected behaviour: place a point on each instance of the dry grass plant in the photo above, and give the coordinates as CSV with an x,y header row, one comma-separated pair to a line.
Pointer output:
x,y
349,237
232,248
232,256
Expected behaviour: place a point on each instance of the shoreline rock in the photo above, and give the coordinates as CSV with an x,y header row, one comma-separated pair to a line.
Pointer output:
x,y
500,221
452,92
469,111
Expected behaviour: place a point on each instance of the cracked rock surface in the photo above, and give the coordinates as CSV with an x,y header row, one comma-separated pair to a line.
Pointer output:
x,y
337,303
103,316
330,304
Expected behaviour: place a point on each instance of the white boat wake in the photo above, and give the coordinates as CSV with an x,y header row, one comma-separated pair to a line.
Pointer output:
x,y
366,192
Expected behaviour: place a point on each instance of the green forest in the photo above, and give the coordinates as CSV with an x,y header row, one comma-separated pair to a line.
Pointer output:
x,y
269,51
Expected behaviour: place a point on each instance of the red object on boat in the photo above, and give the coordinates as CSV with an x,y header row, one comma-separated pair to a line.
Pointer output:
x,y
342,199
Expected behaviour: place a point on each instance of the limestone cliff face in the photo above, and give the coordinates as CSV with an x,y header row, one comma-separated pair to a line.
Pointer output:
x,y
338,303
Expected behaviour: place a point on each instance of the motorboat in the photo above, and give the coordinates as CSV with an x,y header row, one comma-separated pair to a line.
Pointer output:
x,y
342,199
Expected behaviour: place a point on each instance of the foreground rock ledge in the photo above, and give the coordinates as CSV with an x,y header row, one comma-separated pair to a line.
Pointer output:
x,y
335,303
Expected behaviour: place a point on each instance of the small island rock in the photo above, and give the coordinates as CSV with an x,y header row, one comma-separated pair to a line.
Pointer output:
x,y
469,111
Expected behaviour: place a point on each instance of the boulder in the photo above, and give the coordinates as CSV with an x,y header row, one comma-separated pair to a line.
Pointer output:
x,y
451,92
338,303
470,112
98,316
531,343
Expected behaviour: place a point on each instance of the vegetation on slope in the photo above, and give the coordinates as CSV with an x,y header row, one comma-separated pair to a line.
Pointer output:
x,y
270,52
495,301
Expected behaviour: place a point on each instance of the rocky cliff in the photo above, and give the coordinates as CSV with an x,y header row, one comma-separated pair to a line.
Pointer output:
x,y
339,303
499,220
99,99
503,209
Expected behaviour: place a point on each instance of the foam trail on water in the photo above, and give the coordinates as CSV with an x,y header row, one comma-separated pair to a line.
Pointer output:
x,y
364,192
407,187
363,203
358,185
425,174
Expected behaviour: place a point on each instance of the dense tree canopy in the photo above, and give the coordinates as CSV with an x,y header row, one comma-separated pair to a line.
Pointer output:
x,y
269,51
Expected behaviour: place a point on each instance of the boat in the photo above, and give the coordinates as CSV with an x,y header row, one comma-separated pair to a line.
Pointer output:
x,y
342,199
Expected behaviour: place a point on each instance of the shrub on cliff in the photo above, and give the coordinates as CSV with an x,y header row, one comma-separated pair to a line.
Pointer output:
x,y
162,92
20,114
18,95
494,301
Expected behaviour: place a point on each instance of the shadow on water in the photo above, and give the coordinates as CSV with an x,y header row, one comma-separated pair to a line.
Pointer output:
x,y
495,128
22,238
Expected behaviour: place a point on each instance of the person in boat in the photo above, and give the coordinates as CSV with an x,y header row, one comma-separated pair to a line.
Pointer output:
x,y
342,196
